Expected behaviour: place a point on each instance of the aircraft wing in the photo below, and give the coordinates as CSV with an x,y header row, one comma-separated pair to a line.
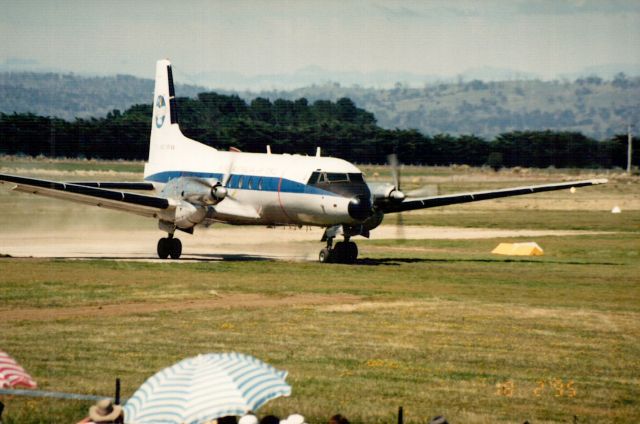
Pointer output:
x,y
115,185
139,204
409,204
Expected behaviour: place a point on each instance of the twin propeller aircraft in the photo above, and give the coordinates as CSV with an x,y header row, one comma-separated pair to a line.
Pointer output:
x,y
194,184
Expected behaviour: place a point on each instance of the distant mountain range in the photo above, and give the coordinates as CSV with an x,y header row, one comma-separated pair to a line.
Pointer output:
x,y
313,75
317,75
598,107
70,96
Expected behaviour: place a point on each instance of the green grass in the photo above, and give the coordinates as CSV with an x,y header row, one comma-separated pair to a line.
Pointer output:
x,y
443,327
28,163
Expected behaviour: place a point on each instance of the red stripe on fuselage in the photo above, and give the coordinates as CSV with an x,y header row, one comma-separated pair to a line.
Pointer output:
x,y
280,201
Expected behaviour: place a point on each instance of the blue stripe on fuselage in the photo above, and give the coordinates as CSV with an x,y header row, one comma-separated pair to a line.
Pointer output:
x,y
258,183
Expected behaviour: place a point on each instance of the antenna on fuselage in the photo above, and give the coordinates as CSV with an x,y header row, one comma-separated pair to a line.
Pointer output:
x,y
318,151
268,149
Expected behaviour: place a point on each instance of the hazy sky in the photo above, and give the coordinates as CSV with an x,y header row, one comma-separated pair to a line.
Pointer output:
x,y
264,37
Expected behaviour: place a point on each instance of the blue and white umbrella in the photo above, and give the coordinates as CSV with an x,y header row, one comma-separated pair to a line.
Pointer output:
x,y
206,387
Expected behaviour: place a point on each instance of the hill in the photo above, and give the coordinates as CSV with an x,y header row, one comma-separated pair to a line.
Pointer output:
x,y
70,96
595,107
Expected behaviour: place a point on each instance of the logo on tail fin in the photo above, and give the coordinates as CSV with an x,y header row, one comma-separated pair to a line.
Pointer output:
x,y
161,111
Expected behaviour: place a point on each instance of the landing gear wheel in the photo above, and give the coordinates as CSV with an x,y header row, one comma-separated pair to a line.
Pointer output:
x,y
164,248
325,255
351,252
339,252
175,249
343,252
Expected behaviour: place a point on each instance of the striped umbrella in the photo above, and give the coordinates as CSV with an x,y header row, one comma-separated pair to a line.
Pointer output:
x,y
13,375
206,387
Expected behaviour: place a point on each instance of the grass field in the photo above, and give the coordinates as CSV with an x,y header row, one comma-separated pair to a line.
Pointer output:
x,y
441,327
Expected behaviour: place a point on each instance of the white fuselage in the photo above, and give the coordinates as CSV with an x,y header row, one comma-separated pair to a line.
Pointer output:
x,y
273,185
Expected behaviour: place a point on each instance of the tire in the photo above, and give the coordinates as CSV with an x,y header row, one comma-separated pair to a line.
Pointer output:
x,y
163,248
175,248
325,256
351,252
339,252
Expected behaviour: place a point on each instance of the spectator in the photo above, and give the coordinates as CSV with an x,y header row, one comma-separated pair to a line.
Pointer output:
x,y
294,419
248,419
270,419
104,412
338,419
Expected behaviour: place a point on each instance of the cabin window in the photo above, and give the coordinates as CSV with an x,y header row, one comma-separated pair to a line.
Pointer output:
x,y
250,183
260,183
240,182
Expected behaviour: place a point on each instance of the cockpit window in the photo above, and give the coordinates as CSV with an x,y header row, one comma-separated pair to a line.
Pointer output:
x,y
314,178
335,177
356,177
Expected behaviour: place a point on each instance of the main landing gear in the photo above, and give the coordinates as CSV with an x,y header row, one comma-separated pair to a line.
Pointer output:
x,y
169,246
343,252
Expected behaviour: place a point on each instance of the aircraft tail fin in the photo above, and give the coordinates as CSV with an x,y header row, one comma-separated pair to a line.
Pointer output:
x,y
165,110
167,145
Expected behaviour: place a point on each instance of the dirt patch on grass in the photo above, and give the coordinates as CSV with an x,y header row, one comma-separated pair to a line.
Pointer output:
x,y
221,301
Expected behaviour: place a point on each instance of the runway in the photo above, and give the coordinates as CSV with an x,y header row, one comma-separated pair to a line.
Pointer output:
x,y
221,242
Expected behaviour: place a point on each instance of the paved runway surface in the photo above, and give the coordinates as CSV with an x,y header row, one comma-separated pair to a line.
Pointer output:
x,y
219,242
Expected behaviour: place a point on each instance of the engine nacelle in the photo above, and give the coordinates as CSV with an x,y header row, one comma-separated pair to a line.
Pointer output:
x,y
373,221
188,215
195,190
385,192
204,195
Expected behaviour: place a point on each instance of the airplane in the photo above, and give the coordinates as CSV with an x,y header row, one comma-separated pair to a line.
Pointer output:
x,y
197,185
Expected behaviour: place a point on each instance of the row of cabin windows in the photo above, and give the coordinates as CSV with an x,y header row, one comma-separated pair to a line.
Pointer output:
x,y
244,182
241,181
335,177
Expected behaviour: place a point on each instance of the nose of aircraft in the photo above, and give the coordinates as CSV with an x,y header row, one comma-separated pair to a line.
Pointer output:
x,y
360,208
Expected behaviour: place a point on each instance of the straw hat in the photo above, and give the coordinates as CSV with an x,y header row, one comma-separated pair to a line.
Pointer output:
x,y
293,419
248,419
104,411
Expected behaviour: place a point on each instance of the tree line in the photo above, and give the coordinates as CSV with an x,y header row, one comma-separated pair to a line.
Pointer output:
x,y
339,128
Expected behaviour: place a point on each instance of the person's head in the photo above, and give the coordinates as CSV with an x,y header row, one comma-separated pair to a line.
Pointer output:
x,y
248,419
338,419
105,412
229,419
293,419
270,419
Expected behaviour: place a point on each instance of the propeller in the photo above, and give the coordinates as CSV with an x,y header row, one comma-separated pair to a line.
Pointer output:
x,y
210,193
397,194
226,177
394,163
